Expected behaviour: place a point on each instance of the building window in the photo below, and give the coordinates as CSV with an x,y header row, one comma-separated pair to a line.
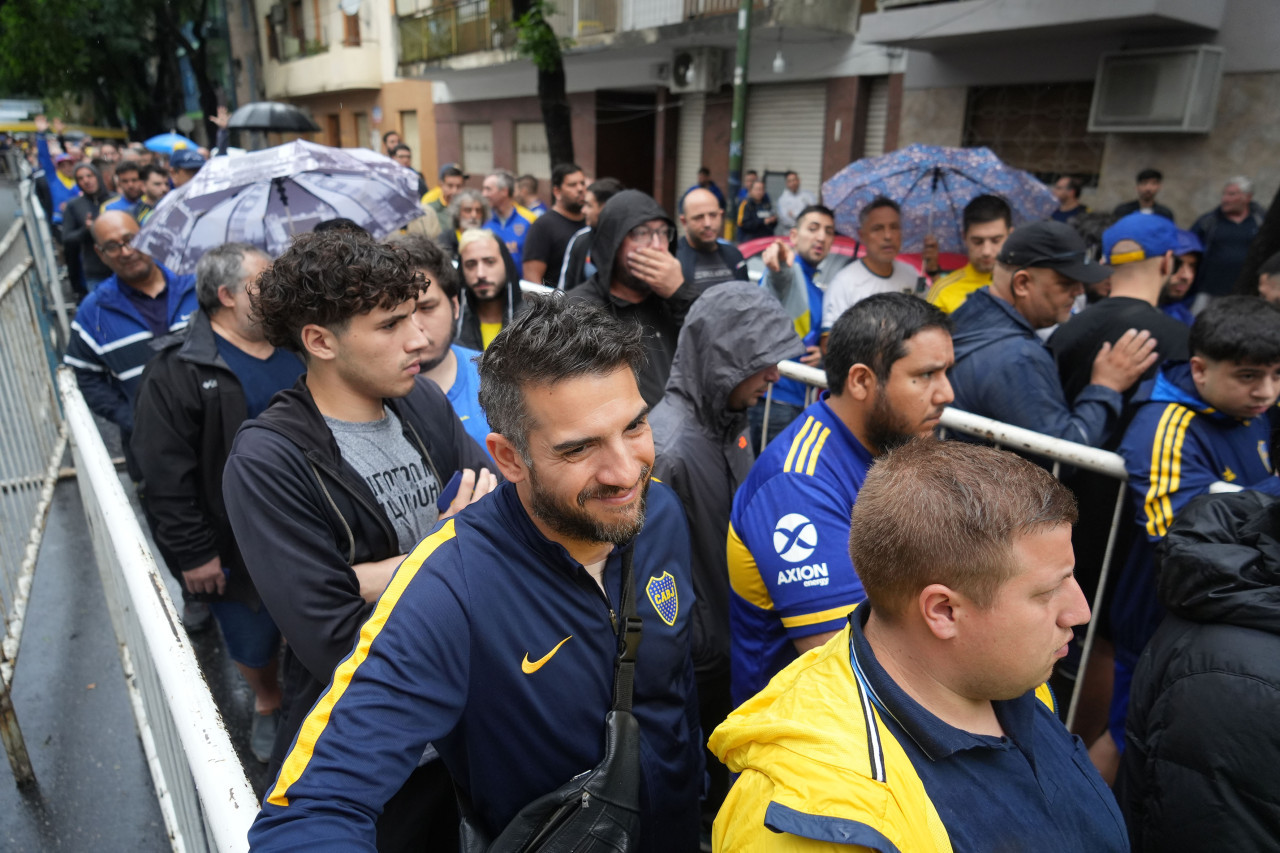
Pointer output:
x,y
477,148
364,137
1041,128
532,155
351,30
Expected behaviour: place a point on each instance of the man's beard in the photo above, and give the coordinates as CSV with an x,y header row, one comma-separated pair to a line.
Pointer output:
x,y
885,429
572,207
576,523
433,363
627,278
498,292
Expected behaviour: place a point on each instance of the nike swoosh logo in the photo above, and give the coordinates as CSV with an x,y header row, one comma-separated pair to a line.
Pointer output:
x,y
529,667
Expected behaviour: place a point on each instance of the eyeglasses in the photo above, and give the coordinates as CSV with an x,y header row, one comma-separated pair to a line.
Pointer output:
x,y
112,249
644,234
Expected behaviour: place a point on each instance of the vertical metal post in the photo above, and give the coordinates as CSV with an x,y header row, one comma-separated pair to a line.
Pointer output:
x,y
738,126
14,746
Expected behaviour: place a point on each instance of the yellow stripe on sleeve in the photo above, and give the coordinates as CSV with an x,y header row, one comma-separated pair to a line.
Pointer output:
x,y
804,449
1166,467
1151,503
817,618
296,762
817,448
1175,474
796,442
744,574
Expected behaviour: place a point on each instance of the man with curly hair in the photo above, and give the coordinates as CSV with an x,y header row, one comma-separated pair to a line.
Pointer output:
x,y
330,487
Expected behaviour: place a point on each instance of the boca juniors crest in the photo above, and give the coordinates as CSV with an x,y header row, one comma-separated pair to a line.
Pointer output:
x,y
662,592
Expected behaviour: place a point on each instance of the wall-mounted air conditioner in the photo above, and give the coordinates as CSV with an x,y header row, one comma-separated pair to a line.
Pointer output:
x,y
1165,90
696,69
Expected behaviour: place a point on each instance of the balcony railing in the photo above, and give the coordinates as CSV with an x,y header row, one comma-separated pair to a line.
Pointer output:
x,y
707,8
443,30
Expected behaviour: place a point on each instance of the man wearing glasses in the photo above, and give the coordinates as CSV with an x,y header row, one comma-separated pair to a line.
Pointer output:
x,y
638,280
1003,370
115,324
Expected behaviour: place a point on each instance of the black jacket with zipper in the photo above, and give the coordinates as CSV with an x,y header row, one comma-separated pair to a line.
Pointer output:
x,y
303,516
188,409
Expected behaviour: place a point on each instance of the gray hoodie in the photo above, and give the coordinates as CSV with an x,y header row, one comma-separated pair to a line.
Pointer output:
x,y
733,331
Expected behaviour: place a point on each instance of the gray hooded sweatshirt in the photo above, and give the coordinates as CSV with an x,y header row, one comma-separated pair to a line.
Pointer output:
x,y
733,331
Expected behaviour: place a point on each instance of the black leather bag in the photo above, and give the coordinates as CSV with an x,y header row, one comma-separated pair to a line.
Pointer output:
x,y
597,811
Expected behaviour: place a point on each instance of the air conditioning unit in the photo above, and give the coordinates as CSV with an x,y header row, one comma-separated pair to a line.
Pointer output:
x,y
696,69
1166,90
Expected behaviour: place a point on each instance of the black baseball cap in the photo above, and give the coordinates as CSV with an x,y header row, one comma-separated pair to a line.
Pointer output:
x,y
1054,245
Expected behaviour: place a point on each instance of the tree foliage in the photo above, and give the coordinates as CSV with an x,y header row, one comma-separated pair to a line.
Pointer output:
x,y
536,41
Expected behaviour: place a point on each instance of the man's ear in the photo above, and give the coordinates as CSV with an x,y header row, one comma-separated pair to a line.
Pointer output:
x,y
937,605
225,297
319,342
860,384
1020,283
1198,368
507,457
454,301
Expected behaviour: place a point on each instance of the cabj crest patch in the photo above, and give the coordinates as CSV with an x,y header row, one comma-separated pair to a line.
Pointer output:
x,y
662,592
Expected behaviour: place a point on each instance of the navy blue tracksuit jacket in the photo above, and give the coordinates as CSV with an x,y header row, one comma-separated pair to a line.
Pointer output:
x,y
496,646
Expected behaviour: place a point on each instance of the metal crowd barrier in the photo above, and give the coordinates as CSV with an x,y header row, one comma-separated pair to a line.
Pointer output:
x,y
1058,450
207,802
32,442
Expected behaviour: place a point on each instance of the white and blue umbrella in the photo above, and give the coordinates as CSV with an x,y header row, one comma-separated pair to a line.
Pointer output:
x,y
167,143
266,198
933,183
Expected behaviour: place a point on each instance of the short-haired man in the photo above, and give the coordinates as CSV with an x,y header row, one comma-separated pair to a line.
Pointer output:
x,y
497,638
1173,299
1269,279
1197,422
1004,371
705,183
756,216
987,222
705,257
749,178
879,270
492,295
550,234
1227,232
390,140
729,350
792,203
510,221
341,476
183,165
926,723
1141,253
195,393
440,199
155,186
789,566
577,266
798,274
639,281
111,336
444,362
1148,181
527,194
403,155
1067,191
129,188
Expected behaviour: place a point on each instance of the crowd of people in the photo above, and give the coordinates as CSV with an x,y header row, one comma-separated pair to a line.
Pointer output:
x,y
433,513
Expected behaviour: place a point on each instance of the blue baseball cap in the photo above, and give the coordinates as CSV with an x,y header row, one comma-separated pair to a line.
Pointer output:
x,y
1154,235
1188,243
186,159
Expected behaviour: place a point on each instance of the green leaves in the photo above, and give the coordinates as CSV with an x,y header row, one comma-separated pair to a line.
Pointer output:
x,y
536,41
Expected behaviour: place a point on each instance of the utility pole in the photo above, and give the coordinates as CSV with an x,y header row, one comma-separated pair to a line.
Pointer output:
x,y
738,126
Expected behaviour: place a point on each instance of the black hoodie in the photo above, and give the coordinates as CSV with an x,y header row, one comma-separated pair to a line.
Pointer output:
x,y
1201,767
660,318
467,329
75,226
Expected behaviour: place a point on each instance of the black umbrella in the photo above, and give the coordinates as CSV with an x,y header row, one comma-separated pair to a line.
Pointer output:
x,y
272,115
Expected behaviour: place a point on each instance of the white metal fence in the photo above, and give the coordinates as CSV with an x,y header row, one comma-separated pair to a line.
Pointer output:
x,y
32,442
1061,452
207,802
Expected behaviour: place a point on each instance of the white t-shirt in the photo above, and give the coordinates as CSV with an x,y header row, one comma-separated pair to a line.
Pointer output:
x,y
856,282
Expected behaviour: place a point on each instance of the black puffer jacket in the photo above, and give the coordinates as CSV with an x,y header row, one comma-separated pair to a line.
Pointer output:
x,y
1201,768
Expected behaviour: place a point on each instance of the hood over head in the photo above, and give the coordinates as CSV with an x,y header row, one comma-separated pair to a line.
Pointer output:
x,y
733,330
1220,562
620,214
103,193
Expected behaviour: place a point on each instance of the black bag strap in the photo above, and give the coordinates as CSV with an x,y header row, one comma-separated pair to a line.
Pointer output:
x,y
624,667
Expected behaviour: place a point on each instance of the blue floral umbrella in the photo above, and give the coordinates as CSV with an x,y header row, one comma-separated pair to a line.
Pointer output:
x,y
933,183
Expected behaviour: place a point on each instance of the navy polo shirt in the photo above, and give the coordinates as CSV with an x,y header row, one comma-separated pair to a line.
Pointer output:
x,y
1034,788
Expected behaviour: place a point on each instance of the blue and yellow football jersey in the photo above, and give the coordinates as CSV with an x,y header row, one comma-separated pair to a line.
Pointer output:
x,y
513,231
788,545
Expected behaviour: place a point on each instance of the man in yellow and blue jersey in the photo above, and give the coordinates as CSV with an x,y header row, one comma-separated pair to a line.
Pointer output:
x,y
510,221
1196,423
926,724
789,569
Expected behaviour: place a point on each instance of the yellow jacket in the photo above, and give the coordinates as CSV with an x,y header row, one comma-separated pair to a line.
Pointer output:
x,y
818,764
950,291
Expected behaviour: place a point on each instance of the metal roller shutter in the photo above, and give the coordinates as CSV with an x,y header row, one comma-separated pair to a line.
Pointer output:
x,y
785,128
693,110
877,117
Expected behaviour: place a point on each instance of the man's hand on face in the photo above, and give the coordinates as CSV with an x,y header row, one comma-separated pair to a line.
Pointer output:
x,y
778,256
471,488
657,268
208,578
